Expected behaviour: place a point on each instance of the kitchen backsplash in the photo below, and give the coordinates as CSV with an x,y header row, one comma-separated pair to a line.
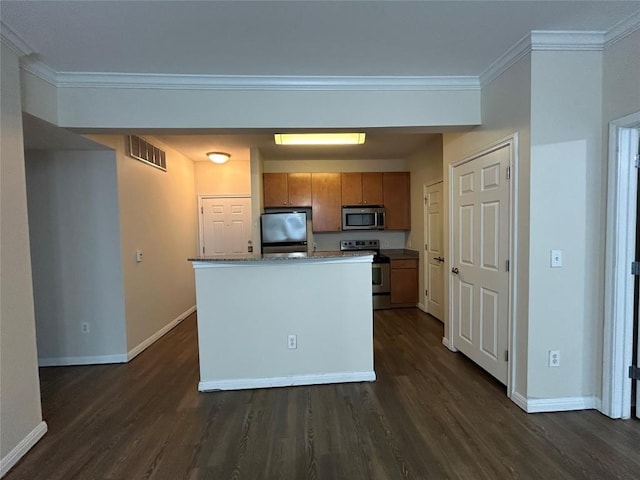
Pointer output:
x,y
331,241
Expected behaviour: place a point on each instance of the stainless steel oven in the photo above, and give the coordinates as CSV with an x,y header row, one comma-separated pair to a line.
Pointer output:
x,y
380,279
380,270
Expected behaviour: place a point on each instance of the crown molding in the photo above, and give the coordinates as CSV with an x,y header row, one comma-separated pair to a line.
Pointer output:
x,y
571,41
506,60
263,82
622,29
537,40
41,70
12,40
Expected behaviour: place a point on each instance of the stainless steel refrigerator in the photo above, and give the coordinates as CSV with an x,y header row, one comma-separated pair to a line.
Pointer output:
x,y
284,232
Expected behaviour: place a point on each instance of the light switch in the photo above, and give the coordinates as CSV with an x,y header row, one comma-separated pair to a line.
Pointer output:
x,y
556,258
138,256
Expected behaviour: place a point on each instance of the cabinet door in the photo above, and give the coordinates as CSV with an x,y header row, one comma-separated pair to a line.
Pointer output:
x,y
325,202
299,186
372,188
396,193
404,282
274,189
351,188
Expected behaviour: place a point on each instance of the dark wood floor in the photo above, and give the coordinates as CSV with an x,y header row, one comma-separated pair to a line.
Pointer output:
x,y
431,414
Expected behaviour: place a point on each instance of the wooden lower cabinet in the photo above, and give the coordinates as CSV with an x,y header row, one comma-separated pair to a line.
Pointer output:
x,y
404,282
325,202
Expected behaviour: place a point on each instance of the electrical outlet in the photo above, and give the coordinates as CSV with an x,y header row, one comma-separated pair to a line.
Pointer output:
x,y
292,342
554,358
138,256
556,258
85,327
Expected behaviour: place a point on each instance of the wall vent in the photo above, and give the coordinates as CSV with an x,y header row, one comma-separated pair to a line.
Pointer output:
x,y
145,152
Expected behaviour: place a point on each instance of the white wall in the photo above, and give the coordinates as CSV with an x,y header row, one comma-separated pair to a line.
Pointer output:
x,y
620,80
120,107
231,178
567,213
425,167
75,251
157,216
506,108
20,412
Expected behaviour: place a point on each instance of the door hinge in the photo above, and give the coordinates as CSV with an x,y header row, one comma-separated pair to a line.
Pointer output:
x,y
426,247
634,372
506,355
509,172
425,200
507,265
202,210
426,292
636,161
635,268
203,250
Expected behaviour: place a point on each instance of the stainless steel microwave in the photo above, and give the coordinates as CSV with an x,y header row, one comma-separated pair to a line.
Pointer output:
x,y
362,218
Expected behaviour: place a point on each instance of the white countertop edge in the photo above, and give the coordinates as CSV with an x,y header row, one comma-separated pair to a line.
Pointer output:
x,y
222,263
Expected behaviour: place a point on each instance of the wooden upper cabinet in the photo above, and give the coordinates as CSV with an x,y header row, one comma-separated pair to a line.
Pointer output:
x,y
397,202
362,188
299,189
372,188
286,189
325,202
351,188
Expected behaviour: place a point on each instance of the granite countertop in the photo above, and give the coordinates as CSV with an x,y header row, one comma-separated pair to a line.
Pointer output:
x,y
275,257
400,253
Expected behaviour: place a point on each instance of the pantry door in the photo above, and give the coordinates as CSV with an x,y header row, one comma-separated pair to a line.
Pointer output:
x,y
479,261
434,251
225,225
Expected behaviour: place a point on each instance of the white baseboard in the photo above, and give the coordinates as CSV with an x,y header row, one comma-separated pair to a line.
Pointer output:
x,y
446,343
293,380
137,350
560,404
87,360
118,358
22,448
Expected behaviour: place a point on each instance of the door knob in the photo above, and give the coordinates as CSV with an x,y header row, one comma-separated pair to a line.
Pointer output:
x,y
455,270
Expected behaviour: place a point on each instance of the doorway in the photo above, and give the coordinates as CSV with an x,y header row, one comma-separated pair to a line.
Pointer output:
x,y
482,278
225,225
620,253
434,250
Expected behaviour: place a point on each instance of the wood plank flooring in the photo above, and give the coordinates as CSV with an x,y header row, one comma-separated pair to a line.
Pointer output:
x,y
432,414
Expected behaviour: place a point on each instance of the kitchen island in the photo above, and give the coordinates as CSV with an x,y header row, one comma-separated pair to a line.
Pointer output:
x,y
284,319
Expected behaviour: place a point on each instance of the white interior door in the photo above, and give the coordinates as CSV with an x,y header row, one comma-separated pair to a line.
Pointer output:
x,y
225,225
479,273
434,252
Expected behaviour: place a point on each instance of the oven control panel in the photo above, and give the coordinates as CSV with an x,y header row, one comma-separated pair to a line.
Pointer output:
x,y
360,245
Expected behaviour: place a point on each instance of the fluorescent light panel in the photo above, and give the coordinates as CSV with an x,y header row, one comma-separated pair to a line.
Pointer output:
x,y
319,138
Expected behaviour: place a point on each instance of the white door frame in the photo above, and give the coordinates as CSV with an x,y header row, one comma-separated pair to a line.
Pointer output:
x,y
512,142
620,244
425,235
199,214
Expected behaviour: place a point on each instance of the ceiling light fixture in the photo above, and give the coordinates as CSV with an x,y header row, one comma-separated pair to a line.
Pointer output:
x,y
319,138
219,157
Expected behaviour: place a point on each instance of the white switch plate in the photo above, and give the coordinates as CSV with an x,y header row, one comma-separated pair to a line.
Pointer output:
x,y
556,258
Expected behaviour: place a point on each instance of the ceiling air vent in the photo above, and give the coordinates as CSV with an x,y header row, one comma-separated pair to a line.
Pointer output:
x,y
145,152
